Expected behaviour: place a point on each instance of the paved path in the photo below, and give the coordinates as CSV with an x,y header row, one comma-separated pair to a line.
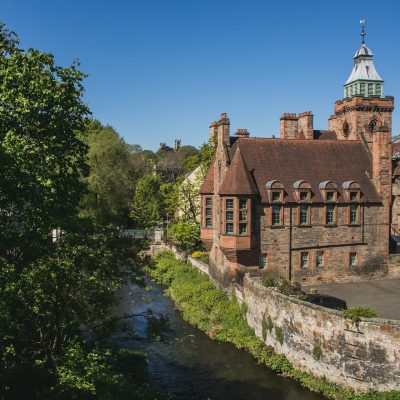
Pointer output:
x,y
382,295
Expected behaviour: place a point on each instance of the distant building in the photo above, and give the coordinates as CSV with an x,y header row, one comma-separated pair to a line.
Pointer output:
x,y
313,205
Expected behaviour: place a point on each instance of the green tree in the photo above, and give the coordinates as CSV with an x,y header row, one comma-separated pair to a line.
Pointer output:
x,y
148,202
111,178
42,157
186,234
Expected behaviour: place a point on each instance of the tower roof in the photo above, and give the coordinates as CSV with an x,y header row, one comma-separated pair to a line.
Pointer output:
x,y
364,79
363,68
238,179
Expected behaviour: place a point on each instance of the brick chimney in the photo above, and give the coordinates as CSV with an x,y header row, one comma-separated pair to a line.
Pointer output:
x,y
242,133
213,131
223,127
306,125
289,126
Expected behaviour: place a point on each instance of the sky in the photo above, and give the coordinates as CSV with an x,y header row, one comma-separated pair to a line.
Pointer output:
x,y
161,70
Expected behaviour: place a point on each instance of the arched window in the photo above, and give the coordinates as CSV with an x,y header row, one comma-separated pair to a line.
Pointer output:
x,y
372,124
346,128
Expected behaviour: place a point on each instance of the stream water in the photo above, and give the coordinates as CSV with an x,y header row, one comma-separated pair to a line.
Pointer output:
x,y
189,365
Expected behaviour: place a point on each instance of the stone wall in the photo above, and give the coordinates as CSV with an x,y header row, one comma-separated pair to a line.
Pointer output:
x,y
322,342
367,240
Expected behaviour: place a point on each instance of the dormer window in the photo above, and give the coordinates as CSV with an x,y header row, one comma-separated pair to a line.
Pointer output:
x,y
328,191
276,197
303,195
275,193
352,194
330,196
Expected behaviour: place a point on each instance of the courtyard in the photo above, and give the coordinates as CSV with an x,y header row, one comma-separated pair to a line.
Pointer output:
x,y
382,295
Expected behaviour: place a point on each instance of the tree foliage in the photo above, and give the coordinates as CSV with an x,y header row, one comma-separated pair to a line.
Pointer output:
x,y
41,155
148,202
112,176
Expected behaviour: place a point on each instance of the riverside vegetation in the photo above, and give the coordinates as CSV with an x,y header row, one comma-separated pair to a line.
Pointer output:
x,y
223,319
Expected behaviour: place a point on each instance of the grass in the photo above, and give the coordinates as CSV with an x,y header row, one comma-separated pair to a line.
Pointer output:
x,y
210,310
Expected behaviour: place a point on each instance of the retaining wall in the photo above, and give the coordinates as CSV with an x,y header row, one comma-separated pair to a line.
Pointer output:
x,y
322,342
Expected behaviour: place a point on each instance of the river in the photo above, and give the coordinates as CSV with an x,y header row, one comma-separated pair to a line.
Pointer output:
x,y
191,366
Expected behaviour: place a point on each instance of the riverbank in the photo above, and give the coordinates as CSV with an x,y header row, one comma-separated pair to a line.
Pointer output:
x,y
210,310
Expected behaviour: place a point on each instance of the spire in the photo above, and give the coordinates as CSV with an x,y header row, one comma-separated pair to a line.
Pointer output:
x,y
362,23
364,79
238,180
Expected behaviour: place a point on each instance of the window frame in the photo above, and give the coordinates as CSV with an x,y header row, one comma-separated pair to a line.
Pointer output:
x,y
317,254
308,214
351,264
208,207
304,267
280,208
334,208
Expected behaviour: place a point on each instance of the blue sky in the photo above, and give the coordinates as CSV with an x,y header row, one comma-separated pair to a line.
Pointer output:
x,y
164,69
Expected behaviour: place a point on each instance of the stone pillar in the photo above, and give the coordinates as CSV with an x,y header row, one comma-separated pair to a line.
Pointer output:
x,y
382,174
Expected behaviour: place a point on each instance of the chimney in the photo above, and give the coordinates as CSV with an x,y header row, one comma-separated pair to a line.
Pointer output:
x,y
242,133
223,126
306,125
213,131
289,126
332,123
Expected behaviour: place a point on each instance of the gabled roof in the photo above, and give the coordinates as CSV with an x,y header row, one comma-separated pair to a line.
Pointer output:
x,y
207,187
238,180
287,161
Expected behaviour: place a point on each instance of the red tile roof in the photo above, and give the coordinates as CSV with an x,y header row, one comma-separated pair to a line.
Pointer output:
x,y
314,161
238,179
207,187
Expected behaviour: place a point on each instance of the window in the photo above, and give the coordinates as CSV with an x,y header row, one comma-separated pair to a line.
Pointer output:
x,y
229,204
229,217
263,261
304,260
370,89
319,259
346,128
208,212
303,214
229,228
353,214
330,196
372,125
242,229
353,196
276,197
276,215
303,196
330,214
353,259
243,204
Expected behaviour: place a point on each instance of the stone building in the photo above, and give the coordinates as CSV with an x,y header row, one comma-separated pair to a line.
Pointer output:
x,y
312,205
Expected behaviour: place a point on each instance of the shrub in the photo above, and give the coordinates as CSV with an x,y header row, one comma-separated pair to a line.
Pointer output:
x,y
198,254
317,351
279,334
283,285
356,313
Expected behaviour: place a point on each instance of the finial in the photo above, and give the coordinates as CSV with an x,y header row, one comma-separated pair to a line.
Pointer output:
x,y
362,23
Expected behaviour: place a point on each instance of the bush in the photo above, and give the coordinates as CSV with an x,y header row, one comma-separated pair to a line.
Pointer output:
x,y
356,313
283,285
198,254
317,351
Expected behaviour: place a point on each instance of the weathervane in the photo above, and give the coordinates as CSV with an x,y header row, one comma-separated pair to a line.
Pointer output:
x,y
362,23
